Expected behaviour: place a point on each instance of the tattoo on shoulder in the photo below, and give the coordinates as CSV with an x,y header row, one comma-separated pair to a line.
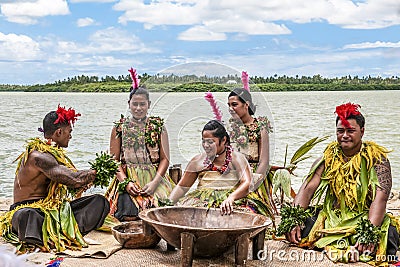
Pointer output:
x,y
384,174
45,161
61,174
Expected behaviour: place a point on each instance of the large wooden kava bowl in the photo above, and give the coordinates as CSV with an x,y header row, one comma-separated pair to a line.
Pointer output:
x,y
211,233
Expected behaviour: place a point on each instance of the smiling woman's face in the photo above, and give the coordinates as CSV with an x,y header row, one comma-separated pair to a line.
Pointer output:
x,y
139,106
237,108
211,144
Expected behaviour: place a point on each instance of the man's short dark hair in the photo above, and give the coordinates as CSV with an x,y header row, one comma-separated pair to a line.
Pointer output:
x,y
48,124
359,119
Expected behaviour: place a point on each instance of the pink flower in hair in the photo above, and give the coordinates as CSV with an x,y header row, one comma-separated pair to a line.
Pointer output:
x,y
135,79
245,81
217,112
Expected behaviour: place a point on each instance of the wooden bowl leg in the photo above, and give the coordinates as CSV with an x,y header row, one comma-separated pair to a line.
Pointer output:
x,y
242,249
258,244
187,249
147,229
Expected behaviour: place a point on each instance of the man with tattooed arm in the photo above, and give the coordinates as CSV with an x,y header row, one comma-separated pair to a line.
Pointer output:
x,y
351,183
44,177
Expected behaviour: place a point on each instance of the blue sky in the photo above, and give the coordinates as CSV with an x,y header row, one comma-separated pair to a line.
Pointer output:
x,y
42,41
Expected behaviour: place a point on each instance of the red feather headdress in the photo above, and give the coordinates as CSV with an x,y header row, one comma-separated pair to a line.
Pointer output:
x,y
135,79
65,115
345,110
217,112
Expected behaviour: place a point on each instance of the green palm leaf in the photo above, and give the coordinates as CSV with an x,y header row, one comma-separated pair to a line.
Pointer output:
x,y
298,155
300,159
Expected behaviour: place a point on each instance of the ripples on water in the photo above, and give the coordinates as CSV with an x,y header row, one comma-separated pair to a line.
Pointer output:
x,y
296,117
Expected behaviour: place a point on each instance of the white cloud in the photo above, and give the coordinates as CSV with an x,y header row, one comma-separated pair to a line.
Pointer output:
x,y
105,41
377,44
210,20
201,33
18,48
252,27
29,12
215,30
108,48
68,47
114,39
84,22
260,17
159,13
105,52
88,62
15,1
266,11
372,14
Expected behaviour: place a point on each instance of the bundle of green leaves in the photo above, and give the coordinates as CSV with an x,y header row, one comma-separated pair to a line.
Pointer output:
x,y
106,167
164,202
367,233
214,198
292,216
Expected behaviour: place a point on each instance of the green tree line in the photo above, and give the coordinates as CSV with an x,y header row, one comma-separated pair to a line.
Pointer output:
x,y
191,83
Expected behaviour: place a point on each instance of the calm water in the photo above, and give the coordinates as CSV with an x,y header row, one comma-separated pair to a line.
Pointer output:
x,y
296,118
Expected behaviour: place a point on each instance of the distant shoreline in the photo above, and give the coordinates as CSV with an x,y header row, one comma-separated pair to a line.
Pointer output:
x,y
203,87
193,83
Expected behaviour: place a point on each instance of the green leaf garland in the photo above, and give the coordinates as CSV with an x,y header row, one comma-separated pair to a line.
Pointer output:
x,y
292,216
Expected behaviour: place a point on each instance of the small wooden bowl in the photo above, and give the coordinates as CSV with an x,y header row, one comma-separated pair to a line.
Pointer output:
x,y
130,235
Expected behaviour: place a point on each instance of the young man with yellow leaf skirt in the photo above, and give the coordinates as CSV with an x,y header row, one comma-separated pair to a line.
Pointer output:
x,y
350,186
43,214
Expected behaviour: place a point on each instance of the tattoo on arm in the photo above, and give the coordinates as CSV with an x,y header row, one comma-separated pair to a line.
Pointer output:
x,y
384,174
61,174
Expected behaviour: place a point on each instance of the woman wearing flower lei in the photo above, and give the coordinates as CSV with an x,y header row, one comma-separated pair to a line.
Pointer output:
x,y
140,143
353,180
250,136
43,214
223,175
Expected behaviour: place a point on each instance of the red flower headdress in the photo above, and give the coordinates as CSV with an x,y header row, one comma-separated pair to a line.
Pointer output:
x,y
217,112
64,115
245,81
135,79
345,110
